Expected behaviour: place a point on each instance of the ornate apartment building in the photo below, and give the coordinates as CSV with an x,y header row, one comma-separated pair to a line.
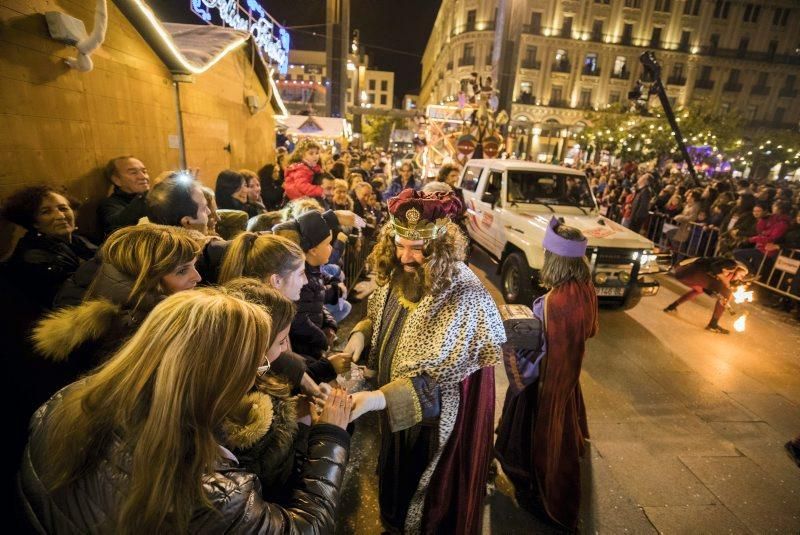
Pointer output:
x,y
571,56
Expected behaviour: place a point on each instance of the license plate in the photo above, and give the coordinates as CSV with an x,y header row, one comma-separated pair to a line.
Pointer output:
x,y
610,291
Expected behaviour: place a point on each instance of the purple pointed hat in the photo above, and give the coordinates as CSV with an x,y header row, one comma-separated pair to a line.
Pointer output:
x,y
562,246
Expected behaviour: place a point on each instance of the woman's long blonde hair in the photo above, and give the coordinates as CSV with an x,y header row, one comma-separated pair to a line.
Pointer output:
x,y
441,257
145,254
259,256
164,393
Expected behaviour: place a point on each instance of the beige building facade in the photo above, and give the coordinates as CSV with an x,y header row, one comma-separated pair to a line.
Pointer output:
x,y
576,56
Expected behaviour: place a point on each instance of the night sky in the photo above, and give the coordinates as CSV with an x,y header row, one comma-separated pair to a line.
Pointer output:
x,y
393,33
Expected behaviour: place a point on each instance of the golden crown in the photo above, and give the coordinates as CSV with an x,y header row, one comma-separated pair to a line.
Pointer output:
x,y
412,229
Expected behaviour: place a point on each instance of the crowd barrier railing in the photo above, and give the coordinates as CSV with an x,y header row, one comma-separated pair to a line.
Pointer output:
x,y
781,276
355,258
701,240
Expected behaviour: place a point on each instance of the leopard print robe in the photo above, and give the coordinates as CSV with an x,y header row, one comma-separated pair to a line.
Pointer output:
x,y
450,336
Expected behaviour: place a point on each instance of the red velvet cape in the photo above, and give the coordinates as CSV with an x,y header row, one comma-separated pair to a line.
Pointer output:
x,y
454,500
560,425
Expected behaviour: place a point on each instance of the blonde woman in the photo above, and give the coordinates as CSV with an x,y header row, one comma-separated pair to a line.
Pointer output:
x,y
133,447
141,265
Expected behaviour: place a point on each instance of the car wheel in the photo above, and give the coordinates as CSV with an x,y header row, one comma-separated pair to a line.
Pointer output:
x,y
516,280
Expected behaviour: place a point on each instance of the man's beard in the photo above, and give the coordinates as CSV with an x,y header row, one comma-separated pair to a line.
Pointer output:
x,y
410,283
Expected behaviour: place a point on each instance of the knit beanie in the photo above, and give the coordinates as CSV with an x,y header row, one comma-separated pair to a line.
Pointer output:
x,y
311,226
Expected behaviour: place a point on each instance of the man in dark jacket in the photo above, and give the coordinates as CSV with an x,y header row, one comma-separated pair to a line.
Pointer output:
x,y
641,203
126,205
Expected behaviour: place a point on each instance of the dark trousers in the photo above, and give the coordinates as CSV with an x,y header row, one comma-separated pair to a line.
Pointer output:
x,y
719,308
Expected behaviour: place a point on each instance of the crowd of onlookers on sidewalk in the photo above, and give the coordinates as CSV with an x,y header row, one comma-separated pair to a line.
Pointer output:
x,y
288,239
751,221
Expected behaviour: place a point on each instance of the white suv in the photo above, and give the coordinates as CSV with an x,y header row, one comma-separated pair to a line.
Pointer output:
x,y
509,204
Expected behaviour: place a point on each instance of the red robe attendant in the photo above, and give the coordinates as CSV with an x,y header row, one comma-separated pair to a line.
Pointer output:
x,y
541,434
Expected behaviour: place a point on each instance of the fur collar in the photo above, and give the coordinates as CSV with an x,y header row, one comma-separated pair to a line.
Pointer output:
x,y
61,332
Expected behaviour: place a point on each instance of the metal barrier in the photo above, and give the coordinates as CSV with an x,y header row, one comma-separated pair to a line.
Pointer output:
x,y
701,241
784,274
355,256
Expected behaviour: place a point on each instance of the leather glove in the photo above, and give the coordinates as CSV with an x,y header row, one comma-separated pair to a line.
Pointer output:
x,y
364,402
355,345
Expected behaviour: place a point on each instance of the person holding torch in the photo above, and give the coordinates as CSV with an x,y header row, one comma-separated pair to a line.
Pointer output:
x,y
714,276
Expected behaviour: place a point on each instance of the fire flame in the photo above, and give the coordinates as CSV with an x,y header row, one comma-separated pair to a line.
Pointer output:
x,y
739,324
741,296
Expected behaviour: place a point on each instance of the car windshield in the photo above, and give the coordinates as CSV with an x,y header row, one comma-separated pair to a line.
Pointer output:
x,y
538,187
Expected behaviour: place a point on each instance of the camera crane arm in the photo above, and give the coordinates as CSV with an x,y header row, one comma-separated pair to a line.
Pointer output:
x,y
652,67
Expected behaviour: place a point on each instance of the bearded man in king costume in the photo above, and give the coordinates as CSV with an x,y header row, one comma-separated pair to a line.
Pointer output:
x,y
433,336
541,435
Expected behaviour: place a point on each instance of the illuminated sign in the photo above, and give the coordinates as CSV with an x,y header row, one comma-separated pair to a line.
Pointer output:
x,y
271,38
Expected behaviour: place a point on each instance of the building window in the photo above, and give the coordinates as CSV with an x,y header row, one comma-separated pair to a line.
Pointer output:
x,y
752,112
620,67
585,99
777,118
714,42
781,16
633,3
525,93
762,79
733,78
529,62
372,85
771,49
614,97
662,5
743,43
705,73
606,2
561,62
590,65
721,9
685,37
384,85
627,34
566,27
471,14
790,81
383,100
655,38
597,30
536,23
751,13
691,7
371,98
556,98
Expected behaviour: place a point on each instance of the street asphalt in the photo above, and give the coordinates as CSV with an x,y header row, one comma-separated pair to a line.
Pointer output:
x,y
687,427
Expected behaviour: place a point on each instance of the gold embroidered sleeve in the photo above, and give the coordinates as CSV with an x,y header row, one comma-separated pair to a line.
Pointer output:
x,y
402,404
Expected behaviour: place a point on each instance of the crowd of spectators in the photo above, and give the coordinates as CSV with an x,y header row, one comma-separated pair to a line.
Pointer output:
x,y
750,221
278,238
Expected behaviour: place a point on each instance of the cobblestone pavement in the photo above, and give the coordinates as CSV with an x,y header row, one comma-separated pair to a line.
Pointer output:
x,y
687,427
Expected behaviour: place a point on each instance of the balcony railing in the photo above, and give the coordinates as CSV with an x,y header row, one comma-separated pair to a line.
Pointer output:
x,y
704,84
531,64
676,80
463,62
589,71
786,92
531,30
557,103
732,87
561,66
624,74
473,27
526,98
759,90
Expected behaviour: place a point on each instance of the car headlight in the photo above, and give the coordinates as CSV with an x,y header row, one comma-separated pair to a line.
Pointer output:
x,y
600,278
624,276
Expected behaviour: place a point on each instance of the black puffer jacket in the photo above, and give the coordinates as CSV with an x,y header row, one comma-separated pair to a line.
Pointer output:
x,y
307,334
40,264
91,504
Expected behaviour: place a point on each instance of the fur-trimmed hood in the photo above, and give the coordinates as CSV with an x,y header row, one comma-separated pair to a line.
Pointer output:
x,y
61,332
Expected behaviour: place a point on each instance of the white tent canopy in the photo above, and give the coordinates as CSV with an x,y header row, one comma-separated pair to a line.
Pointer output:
x,y
310,126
